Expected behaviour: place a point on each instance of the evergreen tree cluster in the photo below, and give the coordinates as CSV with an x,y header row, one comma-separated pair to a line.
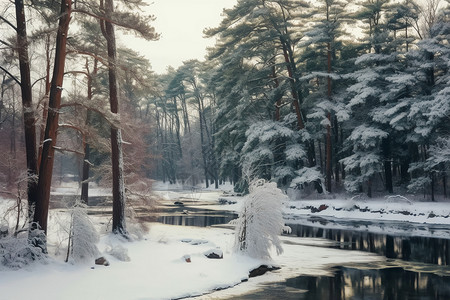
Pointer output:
x,y
326,95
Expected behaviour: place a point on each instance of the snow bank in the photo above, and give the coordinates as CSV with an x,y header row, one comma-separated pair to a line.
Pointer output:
x,y
395,208
156,270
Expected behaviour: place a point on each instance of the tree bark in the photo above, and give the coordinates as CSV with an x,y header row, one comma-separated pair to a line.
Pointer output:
x,y
387,165
45,100
118,189
369,187
294,92
328,140
48,147
85,175
328,156
278,95
27,106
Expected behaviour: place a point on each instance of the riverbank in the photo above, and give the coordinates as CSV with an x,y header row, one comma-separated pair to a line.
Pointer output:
x,y
167,262
156,266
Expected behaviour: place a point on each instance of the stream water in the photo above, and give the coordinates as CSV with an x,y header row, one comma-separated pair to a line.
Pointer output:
x,y
353,283
406,247
417,266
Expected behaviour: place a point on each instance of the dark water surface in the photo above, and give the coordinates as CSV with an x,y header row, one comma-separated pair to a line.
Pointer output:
x,y
351,283
196,217
406,247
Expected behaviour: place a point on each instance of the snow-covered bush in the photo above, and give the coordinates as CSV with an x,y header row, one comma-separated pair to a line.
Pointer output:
x,y
83,236
260,221
17,252
118,251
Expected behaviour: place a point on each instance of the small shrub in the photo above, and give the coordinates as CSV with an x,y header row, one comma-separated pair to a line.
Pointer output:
x,y
261,221
16,252
83,237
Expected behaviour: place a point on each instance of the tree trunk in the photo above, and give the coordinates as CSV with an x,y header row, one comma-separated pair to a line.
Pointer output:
x,y
328,156
433,180
85,175
87,149
177,126
319,146
27,106
387,164
294,92
444,184
203,147
278,95
118,188
45,100
12,146
336,150
369,188
48,147
328,141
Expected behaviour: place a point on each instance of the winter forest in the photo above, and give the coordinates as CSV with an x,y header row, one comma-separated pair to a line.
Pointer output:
x,y
320,97
323,96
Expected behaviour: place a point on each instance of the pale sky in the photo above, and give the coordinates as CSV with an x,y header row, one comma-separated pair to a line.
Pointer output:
x,y
181,24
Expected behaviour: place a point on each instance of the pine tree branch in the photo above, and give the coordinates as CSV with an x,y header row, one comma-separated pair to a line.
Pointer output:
x,y
145,31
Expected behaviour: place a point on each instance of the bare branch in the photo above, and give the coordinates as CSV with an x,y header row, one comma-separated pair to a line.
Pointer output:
x,y
104,113
9,23
6,44
66,125
37,80
89,54
69,150
11,75
77,72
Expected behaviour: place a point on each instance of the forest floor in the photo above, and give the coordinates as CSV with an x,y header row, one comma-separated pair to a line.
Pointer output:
x,y
154,266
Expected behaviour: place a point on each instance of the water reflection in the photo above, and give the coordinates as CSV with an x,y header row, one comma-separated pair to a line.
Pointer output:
x,y
195,217
391,283
409,248
350,283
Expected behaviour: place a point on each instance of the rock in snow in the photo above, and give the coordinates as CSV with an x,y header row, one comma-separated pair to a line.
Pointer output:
x,y
261,270
214,253
102,261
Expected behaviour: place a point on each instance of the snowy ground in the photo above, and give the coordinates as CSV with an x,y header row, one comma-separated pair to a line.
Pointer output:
x,y
157,268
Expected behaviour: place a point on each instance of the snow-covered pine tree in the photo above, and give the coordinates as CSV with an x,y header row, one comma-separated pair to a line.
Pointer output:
x,y
256,77
380,97
260,221
321,57
83,237
430,112
264,152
